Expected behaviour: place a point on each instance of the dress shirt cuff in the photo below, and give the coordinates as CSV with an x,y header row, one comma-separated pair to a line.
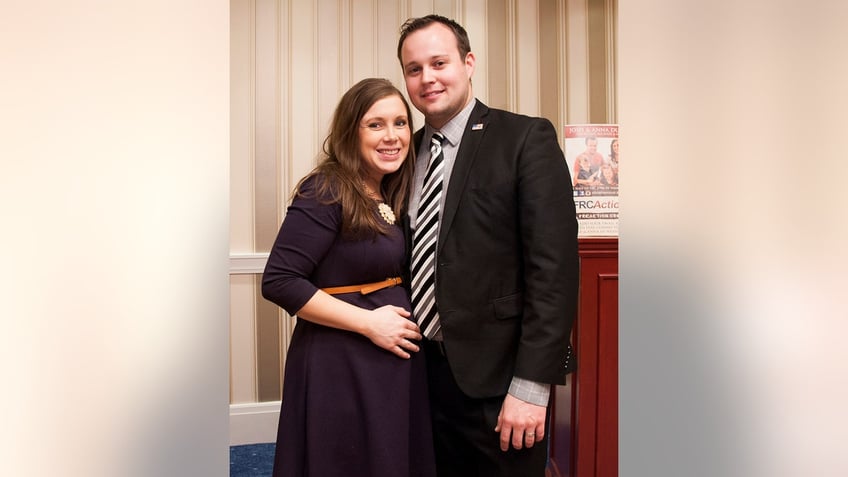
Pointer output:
x,y
530,391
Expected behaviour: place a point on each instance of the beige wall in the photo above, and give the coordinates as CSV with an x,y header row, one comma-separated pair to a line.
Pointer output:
x,y
290,63
114,197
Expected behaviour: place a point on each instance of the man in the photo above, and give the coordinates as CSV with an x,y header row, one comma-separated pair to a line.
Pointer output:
x,y
494,265
590,156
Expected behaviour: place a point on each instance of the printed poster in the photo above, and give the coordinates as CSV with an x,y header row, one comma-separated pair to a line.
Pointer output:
x,y
591,151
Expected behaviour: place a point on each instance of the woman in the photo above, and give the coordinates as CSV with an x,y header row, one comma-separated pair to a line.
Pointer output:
x,y
613,157
354,395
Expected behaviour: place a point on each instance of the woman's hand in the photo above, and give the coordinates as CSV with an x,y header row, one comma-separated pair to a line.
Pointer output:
x,y
391,329
388,327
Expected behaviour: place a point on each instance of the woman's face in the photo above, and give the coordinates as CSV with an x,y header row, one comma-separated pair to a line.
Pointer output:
x,y
384,137
615,147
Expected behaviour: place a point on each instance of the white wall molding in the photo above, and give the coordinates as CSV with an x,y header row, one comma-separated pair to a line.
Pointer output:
x,y
577,58
254,423
527,57
247,263
511,57
563,68
611,61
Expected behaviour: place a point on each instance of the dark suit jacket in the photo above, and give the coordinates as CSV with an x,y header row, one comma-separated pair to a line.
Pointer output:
x,y
507,265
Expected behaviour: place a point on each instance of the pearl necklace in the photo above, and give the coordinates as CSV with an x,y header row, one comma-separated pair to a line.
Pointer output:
x,y
386,213
383,208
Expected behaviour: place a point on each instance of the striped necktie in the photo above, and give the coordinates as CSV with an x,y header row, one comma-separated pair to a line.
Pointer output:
x,y
424,243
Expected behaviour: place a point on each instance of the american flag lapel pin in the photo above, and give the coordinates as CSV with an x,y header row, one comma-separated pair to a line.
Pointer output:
x,y
477,127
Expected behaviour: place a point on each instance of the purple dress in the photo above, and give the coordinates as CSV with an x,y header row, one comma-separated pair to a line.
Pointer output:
x,y
349,408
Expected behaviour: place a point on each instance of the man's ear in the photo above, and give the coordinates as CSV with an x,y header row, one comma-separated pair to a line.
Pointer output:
x,y
469,64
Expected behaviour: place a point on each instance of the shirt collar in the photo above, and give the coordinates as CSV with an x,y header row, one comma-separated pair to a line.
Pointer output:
x,y
453,129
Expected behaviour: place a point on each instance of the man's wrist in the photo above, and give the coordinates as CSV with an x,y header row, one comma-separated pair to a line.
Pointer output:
x,y
530,391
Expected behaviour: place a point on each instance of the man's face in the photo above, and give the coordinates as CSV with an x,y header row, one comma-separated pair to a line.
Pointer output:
x,y
438,81
591,146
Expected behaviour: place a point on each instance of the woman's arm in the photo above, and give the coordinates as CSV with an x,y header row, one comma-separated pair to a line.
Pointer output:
x,y
308,232
387,327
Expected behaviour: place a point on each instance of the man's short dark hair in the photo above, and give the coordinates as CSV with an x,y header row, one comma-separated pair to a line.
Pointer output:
x,y
414,24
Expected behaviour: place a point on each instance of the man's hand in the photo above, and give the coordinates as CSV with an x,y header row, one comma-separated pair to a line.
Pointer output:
x,y
521,423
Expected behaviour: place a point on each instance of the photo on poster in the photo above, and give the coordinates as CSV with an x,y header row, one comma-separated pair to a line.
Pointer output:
x,y
592,154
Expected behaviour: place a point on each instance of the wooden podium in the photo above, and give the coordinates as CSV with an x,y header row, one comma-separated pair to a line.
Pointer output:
x,y
584,421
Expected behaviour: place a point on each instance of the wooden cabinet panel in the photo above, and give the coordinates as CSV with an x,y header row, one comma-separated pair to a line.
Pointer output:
x,y
606,443
584,421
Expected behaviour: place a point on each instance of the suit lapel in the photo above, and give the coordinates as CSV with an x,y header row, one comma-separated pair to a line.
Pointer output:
x,y
465,156
417,138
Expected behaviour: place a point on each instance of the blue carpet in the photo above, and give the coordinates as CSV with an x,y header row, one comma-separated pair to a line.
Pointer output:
x,y
254,460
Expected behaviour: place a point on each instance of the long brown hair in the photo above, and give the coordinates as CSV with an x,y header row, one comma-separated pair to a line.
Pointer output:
x,y
341,170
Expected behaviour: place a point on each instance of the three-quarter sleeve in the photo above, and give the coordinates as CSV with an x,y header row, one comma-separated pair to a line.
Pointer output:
x,y
308,231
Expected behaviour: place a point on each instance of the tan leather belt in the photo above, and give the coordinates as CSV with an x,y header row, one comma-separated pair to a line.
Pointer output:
x,y
364,288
